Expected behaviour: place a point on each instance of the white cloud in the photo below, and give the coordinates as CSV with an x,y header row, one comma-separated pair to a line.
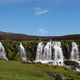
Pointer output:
x,y
42,31
39,11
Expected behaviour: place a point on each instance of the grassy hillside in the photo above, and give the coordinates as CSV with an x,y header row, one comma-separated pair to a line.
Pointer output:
x,y
19,71
12,70
15,36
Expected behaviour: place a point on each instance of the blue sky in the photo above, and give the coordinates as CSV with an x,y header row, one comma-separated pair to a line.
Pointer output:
x,y
40,17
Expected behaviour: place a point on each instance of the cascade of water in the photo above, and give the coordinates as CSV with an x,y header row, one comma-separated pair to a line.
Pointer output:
x,y
47,53
39,53
22,53
2,52
74,52
58,54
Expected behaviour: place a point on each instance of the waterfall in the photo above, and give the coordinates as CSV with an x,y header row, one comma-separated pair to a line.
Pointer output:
x,y
22,53
58,54
39,53
2,52
74,52
47,53
51,53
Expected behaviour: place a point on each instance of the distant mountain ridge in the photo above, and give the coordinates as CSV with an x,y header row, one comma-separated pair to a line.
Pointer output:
x,y
17,36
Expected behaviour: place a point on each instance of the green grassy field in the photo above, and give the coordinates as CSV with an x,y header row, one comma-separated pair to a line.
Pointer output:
x,y
12,70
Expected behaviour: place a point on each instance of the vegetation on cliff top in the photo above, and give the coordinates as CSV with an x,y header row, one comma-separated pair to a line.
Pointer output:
x,y
11,48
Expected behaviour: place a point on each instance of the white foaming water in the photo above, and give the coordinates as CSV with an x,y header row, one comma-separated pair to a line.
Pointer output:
x,y
47,53
74,52
22,53
2,52
58,54
39,53
44,54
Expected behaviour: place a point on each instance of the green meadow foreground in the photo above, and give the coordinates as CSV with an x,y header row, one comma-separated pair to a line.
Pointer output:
x,y
13,70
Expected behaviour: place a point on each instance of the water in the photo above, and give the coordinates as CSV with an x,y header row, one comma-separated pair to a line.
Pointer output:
x,y
22,53
39,53
51,53
47,53
58,54
74,52
2,52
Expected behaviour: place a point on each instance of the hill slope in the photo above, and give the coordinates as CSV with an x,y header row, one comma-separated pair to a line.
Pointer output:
x,y
12,70
15,36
